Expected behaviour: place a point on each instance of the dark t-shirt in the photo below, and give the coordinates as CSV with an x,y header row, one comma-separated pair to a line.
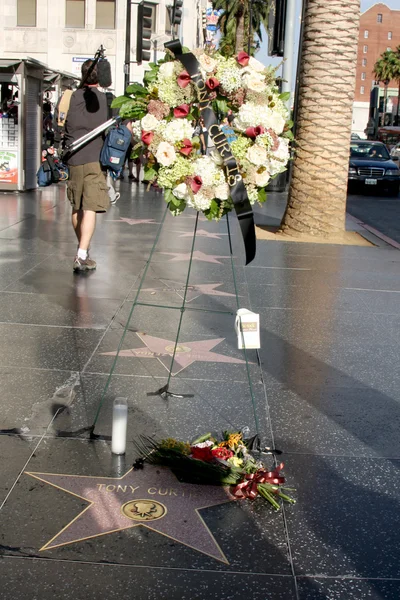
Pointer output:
x,y
87,110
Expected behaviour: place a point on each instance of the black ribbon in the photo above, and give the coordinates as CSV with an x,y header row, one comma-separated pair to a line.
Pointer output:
x,y
238,191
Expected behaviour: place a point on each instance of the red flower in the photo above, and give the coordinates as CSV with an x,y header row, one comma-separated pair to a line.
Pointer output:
x,y
147,137
203,454
195,183
243,58
253,132
212,83
182,111
222,453
183,79
186,148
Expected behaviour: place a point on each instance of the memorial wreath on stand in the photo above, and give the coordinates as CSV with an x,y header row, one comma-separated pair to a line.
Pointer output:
x,y
244,156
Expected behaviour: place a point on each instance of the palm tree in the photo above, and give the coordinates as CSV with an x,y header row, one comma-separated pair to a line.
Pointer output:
x,y
235,21
386,69
318,192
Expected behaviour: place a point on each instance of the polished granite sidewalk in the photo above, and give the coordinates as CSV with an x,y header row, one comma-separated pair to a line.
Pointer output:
x,y
326,393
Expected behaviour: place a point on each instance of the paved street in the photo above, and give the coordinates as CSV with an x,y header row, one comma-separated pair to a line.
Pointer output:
x,y
326,392
379,211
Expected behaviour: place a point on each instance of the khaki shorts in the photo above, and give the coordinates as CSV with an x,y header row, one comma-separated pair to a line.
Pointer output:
x,y
87,188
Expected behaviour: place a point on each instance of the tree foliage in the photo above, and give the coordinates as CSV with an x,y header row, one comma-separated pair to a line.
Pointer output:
x,y
234,23
387,68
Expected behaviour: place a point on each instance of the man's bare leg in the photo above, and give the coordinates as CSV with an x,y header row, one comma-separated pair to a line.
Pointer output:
x,y
87,227
84,224
77,216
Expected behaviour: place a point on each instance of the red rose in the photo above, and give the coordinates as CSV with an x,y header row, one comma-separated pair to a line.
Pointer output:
x,y
182,111
186,148
243,58
222,453
253,132
203,454
147,137
212,83
183,79
195,183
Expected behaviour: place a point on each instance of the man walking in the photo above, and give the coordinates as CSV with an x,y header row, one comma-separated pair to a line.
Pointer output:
x,y
87,188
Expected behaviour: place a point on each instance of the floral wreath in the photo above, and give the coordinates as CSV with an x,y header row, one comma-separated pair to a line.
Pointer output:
x,y
166,109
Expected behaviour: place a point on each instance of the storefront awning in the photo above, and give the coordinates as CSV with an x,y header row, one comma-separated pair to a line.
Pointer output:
x,y
6,63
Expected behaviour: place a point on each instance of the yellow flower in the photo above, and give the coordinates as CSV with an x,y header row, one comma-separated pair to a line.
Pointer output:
x,y
235,461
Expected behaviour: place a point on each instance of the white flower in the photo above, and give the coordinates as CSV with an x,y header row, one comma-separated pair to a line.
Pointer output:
x,y
167,69
177,130
251,114
252,194
216,157
222,191
257,155
262,177
207,63
181,192
283,149
204,444
202,200
166,155
255,82
149,122
256,65
207,169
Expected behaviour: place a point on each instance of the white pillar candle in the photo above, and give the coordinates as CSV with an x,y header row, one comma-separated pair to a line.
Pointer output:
x,y
119,426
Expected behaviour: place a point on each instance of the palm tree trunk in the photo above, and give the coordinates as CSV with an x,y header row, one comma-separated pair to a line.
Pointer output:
x,y
240,34
317,197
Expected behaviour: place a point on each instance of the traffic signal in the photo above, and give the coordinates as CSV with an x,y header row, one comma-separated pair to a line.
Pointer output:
x,y
177,12
144,30
276,28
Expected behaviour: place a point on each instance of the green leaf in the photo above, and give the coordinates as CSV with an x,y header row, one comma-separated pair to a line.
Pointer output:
x,y
262,195
150,76
168,195
202,438
149,174
284,96
222,105
120,100
137,89
289,135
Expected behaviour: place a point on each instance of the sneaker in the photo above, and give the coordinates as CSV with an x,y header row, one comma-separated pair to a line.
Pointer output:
x,y
84,265
116,197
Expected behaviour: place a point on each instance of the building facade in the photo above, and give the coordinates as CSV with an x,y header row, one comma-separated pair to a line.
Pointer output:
x,y
64,33
379,31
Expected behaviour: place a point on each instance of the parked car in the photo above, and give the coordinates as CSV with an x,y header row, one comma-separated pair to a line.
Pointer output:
x,y
372,167
395,151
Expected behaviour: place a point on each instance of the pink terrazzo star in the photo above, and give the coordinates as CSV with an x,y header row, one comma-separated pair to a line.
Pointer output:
x,y
134,221
151,498
186,352
193,291
197,255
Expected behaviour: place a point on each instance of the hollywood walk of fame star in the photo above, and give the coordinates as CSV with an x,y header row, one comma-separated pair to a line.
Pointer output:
x,y
197,255
152,497
201,233
186,352
134,221
193,291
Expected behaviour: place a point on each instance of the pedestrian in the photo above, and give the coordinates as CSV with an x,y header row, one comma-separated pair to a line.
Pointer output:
x,y
87,188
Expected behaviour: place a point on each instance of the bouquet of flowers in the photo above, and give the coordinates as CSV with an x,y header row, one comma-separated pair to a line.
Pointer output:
x,y
227,461
165,110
